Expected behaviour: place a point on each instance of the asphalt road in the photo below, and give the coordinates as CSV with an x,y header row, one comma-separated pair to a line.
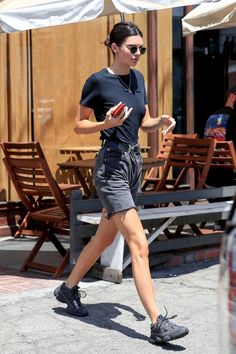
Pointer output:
x,y
34,322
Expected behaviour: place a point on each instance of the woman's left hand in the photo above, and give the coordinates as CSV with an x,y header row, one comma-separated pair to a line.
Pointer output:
x,y
169,122
111,122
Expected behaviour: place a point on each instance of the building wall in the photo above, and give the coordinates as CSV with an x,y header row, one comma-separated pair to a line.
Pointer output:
x,y
42,74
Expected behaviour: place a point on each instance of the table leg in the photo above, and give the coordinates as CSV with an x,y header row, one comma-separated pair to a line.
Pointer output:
x,y
113,255
83,183
111,261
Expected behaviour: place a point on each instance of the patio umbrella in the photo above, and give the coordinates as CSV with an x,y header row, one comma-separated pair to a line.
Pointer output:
x,y
216,14
20,15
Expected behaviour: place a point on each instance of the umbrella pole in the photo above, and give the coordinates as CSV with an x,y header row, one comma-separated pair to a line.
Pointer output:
x,y
122,17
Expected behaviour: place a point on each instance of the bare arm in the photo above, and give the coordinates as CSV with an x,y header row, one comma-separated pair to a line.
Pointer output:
x,y
82,124
151,124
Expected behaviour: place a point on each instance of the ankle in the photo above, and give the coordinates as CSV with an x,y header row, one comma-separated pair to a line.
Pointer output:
x,y
69,285
154,318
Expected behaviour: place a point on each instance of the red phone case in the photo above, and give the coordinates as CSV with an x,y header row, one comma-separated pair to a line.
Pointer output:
x,y
118,110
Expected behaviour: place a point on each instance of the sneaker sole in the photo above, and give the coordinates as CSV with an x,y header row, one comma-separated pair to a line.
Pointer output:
x,y
155,339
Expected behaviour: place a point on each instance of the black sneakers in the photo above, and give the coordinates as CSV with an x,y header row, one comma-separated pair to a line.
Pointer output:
x,y
164,330
71,297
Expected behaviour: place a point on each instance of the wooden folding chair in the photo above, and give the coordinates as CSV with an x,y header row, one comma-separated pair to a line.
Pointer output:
x,y
152,179
166,144
186,154
222,170
45,201
224,156
222,167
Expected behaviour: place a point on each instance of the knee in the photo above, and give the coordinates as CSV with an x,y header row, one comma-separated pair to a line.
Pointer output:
x,y
139,249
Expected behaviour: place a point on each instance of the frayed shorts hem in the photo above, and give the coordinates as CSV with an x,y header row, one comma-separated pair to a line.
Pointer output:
x,y
110,215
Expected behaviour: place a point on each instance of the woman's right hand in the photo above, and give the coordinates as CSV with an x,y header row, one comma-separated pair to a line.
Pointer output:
x,y
169,122
111,121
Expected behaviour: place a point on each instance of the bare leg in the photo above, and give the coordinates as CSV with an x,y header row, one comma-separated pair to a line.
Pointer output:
x,y
131,228
104,236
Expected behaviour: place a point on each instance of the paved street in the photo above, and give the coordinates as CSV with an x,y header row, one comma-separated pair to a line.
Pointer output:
x,y
32,321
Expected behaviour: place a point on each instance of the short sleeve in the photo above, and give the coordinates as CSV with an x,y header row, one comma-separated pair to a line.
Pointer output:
x,y
90,93
144,91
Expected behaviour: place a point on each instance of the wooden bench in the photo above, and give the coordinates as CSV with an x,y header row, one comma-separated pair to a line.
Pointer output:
x,y
85,217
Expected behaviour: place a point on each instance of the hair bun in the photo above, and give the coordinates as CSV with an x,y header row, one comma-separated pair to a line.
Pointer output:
x,y
107,42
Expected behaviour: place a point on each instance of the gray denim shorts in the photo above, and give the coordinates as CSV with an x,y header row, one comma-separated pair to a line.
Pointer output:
x,y
117,176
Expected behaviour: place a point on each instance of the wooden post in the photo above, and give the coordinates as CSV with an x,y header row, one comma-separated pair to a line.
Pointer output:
x,y
152,76
159,68
189,81
189,90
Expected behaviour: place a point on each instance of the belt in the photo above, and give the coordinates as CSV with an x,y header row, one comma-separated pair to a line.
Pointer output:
x,y
121,146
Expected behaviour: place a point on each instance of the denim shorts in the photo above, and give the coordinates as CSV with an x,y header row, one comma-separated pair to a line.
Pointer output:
x,y
117,176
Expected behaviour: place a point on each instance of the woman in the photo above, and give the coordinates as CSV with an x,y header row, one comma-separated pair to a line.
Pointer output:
x,y
118,170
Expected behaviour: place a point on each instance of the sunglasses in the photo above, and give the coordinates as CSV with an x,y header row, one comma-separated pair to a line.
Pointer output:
x,y
133,49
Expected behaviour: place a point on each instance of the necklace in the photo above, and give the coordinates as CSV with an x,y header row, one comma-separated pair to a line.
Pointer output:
x,y
121,81
124,84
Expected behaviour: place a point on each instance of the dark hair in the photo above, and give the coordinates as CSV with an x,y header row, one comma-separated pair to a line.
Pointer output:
x,y
121,31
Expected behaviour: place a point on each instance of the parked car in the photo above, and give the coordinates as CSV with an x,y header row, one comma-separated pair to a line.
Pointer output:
x,y
227,288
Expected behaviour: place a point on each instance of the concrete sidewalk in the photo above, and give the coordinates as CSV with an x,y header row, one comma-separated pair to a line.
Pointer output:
x,y
32,321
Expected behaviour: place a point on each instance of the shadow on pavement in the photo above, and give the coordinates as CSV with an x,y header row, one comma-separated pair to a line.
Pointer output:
x,y
102,314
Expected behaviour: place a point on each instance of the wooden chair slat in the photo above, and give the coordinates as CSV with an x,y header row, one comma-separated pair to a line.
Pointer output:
x,y
29,171
25,163
32,179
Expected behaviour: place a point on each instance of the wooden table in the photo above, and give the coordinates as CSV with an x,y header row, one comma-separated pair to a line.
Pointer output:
x,y
78,151
86,180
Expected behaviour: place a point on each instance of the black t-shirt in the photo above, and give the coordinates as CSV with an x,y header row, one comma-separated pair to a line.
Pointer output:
x,y
231,126
104,90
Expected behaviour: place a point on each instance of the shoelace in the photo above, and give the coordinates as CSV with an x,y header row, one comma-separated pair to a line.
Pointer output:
x,y
163,320
80,294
